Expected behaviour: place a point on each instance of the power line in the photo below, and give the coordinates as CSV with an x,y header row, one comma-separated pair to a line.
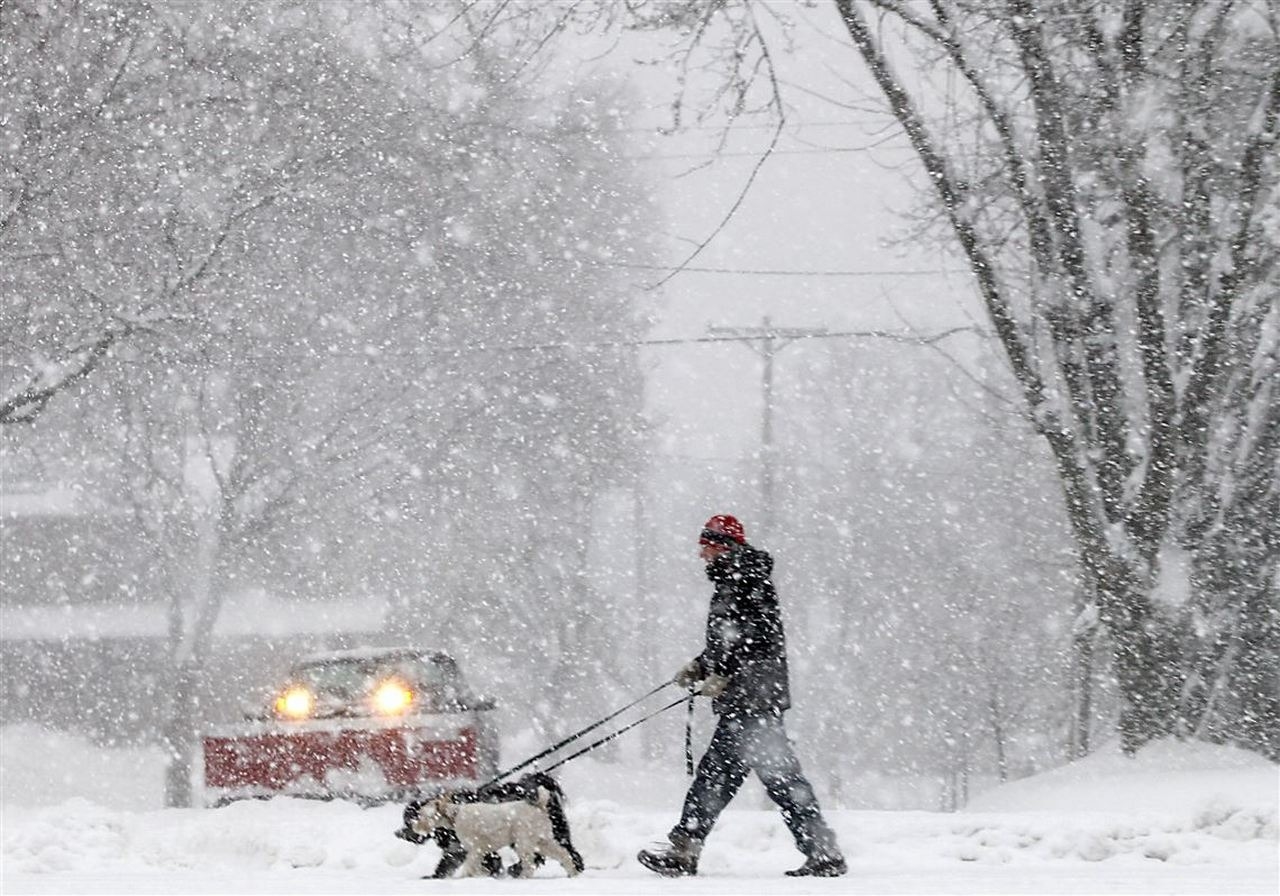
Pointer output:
x,y
719,154
776,272
760,334
892,335
906,338
663,130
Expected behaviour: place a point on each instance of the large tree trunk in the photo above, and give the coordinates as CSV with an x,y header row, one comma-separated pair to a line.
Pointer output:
x,y
191,625
1146,654
180,738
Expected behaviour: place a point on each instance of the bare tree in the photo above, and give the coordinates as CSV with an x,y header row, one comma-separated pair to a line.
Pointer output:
x,y
117,205
355,265
1112,211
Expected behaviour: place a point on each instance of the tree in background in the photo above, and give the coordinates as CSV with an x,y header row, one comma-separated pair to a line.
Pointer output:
x,y
119,202
377,351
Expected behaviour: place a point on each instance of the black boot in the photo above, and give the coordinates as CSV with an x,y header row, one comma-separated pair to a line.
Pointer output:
x,y
820,866
680,859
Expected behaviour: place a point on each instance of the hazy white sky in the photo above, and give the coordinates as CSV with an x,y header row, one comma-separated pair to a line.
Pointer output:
x,y
827,201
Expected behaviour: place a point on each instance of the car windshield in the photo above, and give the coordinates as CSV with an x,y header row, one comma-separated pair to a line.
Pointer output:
x,y
348,680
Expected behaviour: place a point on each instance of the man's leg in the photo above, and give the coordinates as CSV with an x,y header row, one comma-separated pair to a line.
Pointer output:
x,y
720,773
768,750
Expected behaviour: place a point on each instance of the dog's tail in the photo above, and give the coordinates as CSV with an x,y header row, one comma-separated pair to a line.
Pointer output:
x,y
542,779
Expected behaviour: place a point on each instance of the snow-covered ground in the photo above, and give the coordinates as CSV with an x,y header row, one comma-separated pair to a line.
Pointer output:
x,y
1178,818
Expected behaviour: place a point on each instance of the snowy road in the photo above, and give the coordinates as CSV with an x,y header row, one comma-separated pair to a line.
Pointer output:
x,y
289,846
1168,880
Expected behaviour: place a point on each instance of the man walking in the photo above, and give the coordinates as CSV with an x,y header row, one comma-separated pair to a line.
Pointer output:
x,y
744,668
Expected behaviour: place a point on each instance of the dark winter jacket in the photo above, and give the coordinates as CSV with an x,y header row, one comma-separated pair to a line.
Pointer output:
x,y
744,635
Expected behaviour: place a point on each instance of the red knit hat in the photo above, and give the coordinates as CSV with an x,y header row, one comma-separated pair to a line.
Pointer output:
x,y
722,529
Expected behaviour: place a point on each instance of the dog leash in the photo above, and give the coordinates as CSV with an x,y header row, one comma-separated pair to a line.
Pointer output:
x,y
688,736
620,731
572,737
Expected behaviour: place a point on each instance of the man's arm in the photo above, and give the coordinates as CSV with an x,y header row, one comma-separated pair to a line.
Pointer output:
x,y
728,634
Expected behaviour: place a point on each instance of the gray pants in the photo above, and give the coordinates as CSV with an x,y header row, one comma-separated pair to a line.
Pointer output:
x,y
743,744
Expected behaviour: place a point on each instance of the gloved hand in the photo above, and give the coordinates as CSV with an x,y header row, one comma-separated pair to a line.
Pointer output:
x,y
714,686
690,673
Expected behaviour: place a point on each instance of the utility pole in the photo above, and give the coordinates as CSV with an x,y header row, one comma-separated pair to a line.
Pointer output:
x,y
767,340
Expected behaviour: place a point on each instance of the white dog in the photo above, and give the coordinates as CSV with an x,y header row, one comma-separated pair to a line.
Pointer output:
x,y
485,828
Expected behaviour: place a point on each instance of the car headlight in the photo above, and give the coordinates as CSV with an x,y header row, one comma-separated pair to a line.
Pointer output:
x,y
392,697
295,702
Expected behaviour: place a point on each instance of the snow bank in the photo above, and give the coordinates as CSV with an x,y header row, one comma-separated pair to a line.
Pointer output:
x,y
42,768
1166,776
1174,801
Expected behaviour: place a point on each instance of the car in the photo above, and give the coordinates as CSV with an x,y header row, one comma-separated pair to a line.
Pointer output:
x,y
370,725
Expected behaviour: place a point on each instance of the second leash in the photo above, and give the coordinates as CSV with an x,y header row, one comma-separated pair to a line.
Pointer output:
x,y
620,731
575,736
